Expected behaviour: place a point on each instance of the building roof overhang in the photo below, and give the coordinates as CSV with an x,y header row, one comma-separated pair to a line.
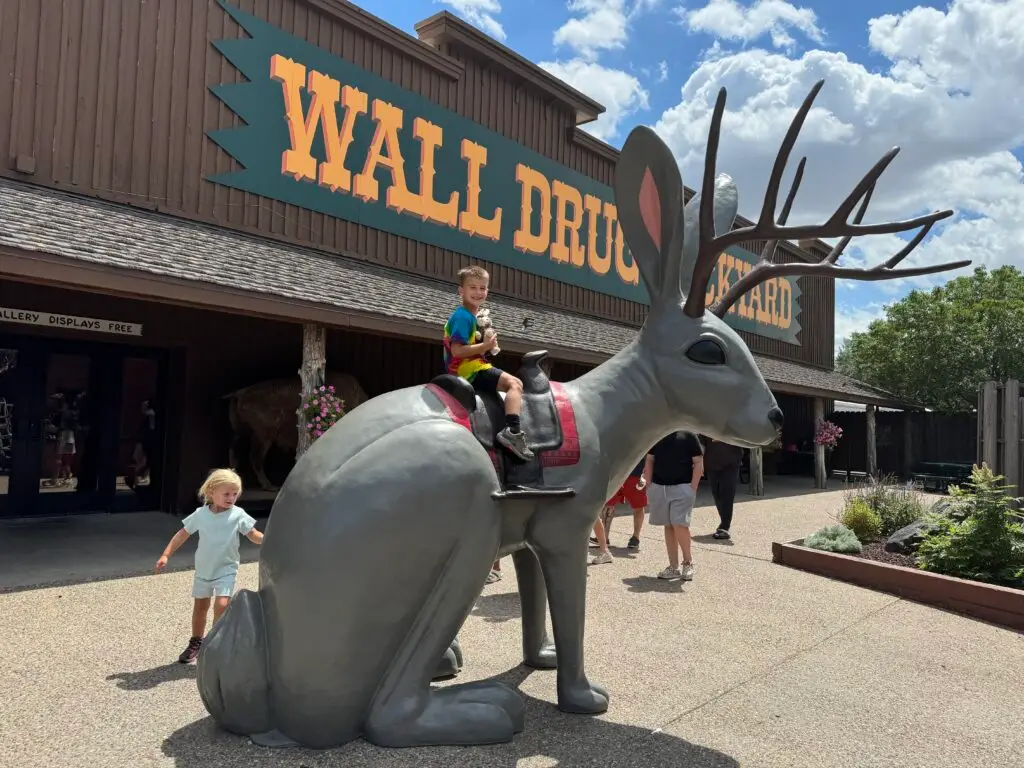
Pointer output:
x,y
445,27
59,238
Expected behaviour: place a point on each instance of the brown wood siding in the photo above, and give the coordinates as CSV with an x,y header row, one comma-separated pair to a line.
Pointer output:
x,y
110,98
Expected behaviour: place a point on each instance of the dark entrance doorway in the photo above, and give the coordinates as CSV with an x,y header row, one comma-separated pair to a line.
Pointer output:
x,y
81,427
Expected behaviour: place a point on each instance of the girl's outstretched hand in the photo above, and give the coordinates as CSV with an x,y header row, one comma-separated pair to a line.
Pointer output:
x,y
160,564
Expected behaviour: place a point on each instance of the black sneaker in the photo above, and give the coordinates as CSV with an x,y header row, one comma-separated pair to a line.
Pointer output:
x,y
191,652
721,533
516,443
634,544
592,542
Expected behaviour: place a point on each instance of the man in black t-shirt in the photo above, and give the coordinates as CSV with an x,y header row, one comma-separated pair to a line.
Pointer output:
x,y
722,465
672,473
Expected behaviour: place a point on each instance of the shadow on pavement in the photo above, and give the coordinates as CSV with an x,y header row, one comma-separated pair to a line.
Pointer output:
x,y
552,737
653,584
709,538
151,678
498,606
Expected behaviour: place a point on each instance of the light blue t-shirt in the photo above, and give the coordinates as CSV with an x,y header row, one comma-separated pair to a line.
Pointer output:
x,y
217,554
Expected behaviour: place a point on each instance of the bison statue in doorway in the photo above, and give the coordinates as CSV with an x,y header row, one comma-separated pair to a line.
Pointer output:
x,y
266,414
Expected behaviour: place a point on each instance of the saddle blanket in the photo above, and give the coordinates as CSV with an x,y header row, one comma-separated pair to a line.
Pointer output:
x,y
567,455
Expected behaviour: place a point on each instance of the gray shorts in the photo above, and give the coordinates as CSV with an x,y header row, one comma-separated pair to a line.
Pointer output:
x,y
670,504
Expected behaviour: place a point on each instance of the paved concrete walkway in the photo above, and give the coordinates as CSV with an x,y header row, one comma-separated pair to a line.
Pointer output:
x,y
752,664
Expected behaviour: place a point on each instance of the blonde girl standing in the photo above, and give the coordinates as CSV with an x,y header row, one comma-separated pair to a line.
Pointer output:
x,y
219,523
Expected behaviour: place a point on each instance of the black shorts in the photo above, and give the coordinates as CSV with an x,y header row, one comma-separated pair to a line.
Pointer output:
x,y
486,381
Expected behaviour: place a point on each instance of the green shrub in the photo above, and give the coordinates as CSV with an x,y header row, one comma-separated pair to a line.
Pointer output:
x,y
861,519
834,538
897,504
980,538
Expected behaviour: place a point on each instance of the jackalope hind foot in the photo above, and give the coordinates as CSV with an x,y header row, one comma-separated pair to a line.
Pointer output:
x,y
583,699
450,664
498,694
460,715
544,657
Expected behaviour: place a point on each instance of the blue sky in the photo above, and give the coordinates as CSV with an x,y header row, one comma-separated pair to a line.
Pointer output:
x,y
945,81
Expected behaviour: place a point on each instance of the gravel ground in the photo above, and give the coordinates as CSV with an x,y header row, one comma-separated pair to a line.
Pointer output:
x,y
736,668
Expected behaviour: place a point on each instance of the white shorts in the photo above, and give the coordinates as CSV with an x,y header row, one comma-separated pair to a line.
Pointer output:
x,y
220,587
670,504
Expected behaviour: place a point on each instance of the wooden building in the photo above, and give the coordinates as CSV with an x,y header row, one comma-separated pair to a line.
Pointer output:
x,y
191,186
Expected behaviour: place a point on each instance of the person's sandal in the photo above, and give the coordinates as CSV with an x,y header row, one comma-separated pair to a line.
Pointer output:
x,y
721,534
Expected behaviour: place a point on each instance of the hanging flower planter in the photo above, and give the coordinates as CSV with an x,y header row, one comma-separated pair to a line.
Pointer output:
x,y
827,434
322,409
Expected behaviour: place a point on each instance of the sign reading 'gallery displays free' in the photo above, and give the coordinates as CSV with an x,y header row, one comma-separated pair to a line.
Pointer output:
x,y
325,135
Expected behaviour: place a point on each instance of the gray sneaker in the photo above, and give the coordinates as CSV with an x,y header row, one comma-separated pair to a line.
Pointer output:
x,y
515,442
686,572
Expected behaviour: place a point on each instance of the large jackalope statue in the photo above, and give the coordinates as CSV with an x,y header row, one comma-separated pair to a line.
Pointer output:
x,y
383,535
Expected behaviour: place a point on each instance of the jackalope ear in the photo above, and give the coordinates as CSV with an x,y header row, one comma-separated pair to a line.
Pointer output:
x,y
649,196
727,202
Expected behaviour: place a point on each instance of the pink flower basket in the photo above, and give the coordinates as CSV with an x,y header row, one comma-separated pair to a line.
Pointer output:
x,y
827,434
322,409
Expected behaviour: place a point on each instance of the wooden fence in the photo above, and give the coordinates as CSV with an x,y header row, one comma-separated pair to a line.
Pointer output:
x,y
1000,412
904,439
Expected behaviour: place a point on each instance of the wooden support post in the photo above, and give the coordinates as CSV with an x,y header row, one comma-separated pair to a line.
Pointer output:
x,y
311,374
908,444
820,474
756,472
872,444
988,424
1011,435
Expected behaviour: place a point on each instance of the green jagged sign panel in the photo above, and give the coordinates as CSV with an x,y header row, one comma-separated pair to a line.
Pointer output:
x,y
325,135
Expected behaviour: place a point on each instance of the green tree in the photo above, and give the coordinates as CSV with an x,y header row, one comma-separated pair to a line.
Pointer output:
x,y
936,347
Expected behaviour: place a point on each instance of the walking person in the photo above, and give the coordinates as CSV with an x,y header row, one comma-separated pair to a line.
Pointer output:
x,y
672,472
219,523
722,466
633,493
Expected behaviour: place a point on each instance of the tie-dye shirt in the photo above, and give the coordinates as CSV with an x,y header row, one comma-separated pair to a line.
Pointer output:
x,y
461,329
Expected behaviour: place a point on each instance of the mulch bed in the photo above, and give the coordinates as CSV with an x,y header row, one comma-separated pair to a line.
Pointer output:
x,y
876,551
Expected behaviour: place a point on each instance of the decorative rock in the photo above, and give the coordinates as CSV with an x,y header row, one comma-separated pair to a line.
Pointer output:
x,y
906,539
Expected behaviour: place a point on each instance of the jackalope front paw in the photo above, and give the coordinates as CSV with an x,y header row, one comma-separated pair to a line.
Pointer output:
x,y
543,658
583,699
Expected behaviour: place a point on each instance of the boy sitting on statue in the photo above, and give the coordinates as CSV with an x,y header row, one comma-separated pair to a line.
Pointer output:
x,y
465,355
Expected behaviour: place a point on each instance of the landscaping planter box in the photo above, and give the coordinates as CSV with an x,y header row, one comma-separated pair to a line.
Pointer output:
x,y
999,605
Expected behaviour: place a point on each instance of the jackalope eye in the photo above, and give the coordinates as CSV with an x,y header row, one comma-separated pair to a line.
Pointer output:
x,y
707,352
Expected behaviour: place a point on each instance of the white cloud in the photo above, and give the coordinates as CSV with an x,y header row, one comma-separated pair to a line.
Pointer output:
x,y
601,25
729,20
662,71
620,92
479,13
850,319
953,98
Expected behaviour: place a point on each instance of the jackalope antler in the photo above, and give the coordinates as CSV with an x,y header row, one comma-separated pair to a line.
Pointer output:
x,y
712,244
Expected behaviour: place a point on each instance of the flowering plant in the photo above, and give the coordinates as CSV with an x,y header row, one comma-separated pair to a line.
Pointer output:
x,y
827,434
322,409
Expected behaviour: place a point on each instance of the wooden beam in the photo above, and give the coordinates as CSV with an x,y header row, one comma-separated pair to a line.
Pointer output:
x,y
908,444
820,475
756,472
988,424
311,374
872,443
1011,435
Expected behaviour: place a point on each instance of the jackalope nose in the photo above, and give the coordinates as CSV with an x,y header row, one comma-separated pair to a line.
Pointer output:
x,y
775,417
